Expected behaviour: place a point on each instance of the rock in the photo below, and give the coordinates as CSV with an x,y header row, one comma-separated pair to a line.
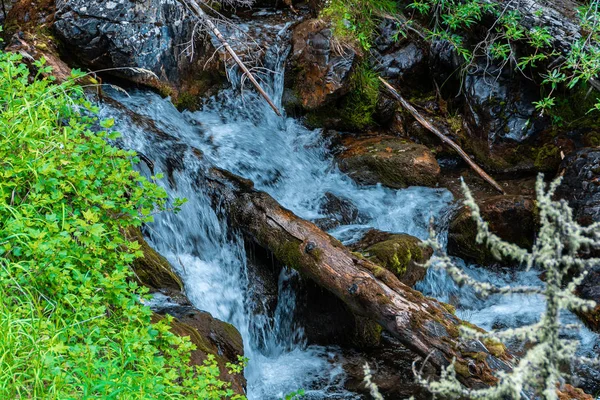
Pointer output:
x,y
590,290
338,211
393,162
322,69
511,217
128,34
399,253
499,104
391,369
210,335
580,184
400,62
152,270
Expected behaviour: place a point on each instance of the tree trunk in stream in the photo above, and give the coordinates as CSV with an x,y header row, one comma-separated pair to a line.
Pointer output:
x,y
422,324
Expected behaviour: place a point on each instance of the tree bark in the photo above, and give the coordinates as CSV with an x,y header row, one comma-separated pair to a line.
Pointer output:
x,y
422,324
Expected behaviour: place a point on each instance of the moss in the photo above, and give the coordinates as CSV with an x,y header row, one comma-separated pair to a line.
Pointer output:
x,y
548,156
592,139
396,254
449,307
495,347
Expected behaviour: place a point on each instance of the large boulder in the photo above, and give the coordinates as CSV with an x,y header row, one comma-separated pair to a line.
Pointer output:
x,y
399,253
512,218
210,335
127,36
393,162
322,66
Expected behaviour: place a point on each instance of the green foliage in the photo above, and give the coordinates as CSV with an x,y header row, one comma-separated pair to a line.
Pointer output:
x,y
357,19
71,321
359,106
454,21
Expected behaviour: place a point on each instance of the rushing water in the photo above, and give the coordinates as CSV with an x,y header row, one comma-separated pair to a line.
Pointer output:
x,y
287,160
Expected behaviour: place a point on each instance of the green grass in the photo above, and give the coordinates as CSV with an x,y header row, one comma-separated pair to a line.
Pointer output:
x,y
71,323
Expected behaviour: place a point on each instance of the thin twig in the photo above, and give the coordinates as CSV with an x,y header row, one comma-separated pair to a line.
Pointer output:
x,y
429,126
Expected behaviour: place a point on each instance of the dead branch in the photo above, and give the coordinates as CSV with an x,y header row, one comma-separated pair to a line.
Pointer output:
x,y
213,28
430,127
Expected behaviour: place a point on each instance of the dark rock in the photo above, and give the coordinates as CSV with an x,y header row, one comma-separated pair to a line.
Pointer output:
x,y
398,63
128,34
590,290
391,369
580,184
512,218
399,253
393,162
322,69
338,211
210,335
499,104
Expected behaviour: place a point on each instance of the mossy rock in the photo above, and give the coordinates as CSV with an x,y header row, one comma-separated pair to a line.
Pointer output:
x,y
393,162
211,337
512,217
401,254
152,269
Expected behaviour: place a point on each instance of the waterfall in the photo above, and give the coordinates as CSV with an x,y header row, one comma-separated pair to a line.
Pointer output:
x,y
240,133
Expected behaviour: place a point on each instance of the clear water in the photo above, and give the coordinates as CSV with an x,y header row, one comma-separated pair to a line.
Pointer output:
x,y
290,162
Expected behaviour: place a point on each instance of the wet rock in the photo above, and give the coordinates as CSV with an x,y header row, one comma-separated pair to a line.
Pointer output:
x,y
127,35
152,270
210,335
322,67
393,162
338,211
399,253
403,61
511,217
391,369
590,290
580,184
499,104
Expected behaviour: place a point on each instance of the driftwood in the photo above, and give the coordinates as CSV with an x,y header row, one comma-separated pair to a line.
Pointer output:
x,y
430,127
422,324
205,19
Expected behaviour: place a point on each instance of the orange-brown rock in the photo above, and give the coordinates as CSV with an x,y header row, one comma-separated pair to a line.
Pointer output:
x,y
393,162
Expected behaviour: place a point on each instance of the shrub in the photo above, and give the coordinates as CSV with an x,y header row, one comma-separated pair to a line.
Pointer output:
x,y
71,321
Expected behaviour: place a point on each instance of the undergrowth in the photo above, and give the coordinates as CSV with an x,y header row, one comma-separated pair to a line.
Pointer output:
x,y
71,321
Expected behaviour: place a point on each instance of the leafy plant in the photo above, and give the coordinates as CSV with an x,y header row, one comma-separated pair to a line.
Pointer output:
x,y
71,321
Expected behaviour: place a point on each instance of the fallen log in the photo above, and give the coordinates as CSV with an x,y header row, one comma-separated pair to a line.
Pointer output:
x,y
422,324
431,127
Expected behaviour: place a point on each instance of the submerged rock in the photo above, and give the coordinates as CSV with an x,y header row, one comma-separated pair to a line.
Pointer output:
x,y
323,66
393,162
338,211
399,253
128,35
511,217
